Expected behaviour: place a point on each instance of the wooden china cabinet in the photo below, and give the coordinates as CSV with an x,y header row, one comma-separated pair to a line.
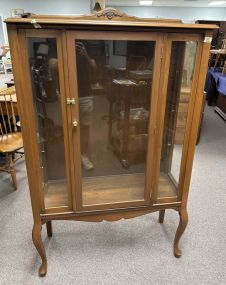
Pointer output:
x,y
99,97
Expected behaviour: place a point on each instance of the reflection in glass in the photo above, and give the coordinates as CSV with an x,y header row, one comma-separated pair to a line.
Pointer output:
x,y
46,95
177,102
114,89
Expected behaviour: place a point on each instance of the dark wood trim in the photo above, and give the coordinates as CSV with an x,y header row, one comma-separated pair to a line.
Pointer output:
x,y
195,120
101,215
120,22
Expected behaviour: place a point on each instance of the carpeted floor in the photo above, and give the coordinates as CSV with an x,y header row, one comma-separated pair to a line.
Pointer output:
x,y
136,251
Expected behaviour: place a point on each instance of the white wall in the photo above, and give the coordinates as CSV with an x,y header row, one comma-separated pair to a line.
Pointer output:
x,y
2,32
83,7
177,12
45,6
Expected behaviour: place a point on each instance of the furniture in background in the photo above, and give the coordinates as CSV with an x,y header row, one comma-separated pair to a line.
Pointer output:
x,y
10,83
218,34
220,88
216,91
72,173
217,62
1,66
215,83
128,124
10,135
224,68
182,115
136,63
221,105
6,63
217,59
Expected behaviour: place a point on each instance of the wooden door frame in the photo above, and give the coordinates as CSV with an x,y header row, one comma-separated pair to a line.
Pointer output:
x,y
23,34
109,35
169,38
28,130
193,124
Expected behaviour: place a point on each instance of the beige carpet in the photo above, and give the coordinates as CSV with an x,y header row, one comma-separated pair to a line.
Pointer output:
x,y
136,251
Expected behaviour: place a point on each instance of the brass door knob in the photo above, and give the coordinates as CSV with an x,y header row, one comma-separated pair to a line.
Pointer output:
x,y
75,123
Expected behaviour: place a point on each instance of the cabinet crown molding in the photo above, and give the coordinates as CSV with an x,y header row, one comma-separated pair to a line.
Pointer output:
x,y
110,13
106,17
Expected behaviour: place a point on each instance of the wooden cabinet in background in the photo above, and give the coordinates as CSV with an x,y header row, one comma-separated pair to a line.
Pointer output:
x,y
218,33
103,104
221,106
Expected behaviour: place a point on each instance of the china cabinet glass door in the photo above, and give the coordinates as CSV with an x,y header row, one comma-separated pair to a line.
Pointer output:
x,y
112,80
176,98
44,55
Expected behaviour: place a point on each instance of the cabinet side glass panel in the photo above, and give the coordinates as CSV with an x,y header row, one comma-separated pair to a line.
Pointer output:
x,y
47,104
114,90
177,102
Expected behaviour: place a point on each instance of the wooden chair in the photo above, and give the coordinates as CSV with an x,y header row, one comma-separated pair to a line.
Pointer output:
x,y
136,63
10,135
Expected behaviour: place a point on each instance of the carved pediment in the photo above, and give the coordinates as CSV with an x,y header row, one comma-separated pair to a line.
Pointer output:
x,y
110,13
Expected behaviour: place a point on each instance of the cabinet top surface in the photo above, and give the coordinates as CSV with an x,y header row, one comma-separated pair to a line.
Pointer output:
x,y
107,17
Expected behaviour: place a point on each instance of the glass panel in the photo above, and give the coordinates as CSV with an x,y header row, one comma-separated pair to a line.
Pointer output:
x,y
47,102
177,102
114,89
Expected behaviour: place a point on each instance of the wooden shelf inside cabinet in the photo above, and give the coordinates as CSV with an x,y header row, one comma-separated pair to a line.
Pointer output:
x,y
55,194
167,188
103,107
108,190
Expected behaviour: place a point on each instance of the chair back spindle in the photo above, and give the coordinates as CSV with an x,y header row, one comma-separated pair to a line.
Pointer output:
x,y
3,122
13,114
10,135
8,124
8,115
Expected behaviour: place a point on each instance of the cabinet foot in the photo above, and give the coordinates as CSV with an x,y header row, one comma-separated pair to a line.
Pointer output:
x,y
36,237
49,228
161,216
180,230
43,269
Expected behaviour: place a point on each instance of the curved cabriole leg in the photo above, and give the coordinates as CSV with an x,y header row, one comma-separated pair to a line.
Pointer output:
x,y
49,228
181,228
161,216
36,237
